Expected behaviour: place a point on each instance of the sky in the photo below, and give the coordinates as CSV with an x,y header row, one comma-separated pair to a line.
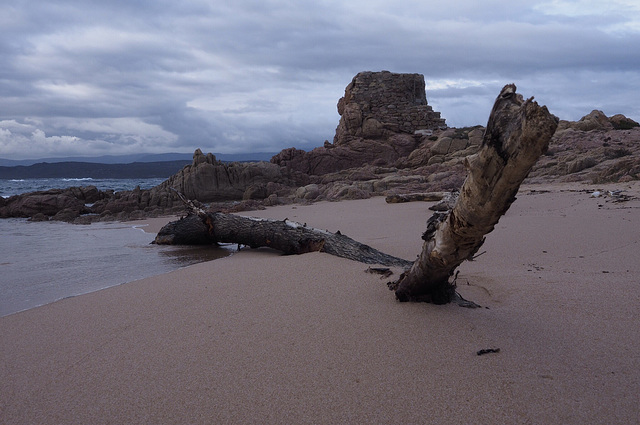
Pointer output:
x,y
95,77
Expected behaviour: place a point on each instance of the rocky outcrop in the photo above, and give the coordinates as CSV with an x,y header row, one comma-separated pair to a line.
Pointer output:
x,y
384,116
331,158
378,150
377,105
73,201
444,146
601,154
132,203
598,121
210,180
620,122
87,204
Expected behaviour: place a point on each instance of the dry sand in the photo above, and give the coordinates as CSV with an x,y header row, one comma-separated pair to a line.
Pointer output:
x,y
263,338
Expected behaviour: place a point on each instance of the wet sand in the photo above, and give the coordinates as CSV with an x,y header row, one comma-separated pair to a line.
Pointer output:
x,y
263,338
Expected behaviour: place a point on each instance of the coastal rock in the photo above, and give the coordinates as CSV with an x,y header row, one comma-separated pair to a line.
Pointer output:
x,y
129,201
595,120
71,203
39,217
581,164
593,156
381,104
255,191
443,146
308,192
210,180
324,160
388,142
69,215
48,203
383,118
475,135
620,122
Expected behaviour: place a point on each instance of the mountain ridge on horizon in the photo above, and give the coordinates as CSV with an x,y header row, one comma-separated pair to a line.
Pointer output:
x,y
137,158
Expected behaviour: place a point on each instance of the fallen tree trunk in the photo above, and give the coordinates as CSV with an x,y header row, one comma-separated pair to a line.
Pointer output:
x,y
286,236
517,134
413,197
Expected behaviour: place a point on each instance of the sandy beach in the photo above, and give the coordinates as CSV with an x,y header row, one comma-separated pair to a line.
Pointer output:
x,y
261,338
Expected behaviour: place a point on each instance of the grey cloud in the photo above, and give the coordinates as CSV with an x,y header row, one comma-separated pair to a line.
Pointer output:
x,y
265,75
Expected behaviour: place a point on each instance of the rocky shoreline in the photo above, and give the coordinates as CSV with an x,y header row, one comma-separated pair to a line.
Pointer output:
x,y
388,142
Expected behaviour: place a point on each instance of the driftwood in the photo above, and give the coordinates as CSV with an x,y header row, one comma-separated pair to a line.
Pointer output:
x,y
413,197
285,235
517,134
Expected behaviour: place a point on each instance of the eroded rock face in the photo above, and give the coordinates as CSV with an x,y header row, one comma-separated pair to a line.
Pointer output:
x,y
444,146
596,156
88,204
209,180
377,105
324,160
620,122
598,121
595,120
51,202
384,116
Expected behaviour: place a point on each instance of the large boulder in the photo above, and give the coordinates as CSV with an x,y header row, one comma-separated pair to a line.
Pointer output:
x,y
45,203
620,122
595,120
73,200
444,146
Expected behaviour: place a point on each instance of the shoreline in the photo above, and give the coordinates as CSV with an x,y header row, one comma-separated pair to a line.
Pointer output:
x,y
46,262
261,337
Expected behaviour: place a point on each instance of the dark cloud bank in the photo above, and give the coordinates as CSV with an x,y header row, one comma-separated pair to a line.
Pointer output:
x,y
97,78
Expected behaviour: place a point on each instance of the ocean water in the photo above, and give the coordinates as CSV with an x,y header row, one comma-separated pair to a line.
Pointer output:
x,y
41,262
17,186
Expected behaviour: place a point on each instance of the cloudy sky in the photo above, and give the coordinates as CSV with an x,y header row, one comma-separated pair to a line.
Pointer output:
x,y
95,77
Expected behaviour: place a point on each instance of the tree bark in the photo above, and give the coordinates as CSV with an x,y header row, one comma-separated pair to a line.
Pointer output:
x,y
286,236
518,133
413,197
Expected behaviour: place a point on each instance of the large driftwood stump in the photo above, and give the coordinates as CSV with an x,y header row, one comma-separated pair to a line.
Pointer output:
x,y
517,134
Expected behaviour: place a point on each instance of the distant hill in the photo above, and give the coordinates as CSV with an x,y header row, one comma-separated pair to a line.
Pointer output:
x,y
134,170
140,158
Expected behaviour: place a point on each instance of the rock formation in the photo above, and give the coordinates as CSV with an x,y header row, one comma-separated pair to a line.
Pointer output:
x,y
210,180
378,105
51,202
87,204
598,155
388,142
384,116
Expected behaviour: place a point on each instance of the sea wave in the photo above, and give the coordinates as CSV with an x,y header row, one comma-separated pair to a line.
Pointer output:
x,y
17,186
